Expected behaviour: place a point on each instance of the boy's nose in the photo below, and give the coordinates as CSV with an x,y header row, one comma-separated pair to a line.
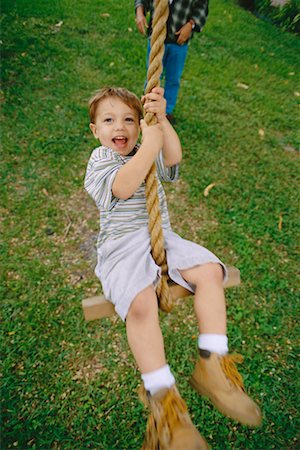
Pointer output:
x,y
119,124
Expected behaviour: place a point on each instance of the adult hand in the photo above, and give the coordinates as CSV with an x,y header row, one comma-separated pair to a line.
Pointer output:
x,y
140,20
184,33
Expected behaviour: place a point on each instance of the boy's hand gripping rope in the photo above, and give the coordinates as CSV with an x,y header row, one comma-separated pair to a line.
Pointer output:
x,y
161,12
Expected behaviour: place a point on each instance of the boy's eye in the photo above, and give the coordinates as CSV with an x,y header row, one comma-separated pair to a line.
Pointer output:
x,y
129,119
108,119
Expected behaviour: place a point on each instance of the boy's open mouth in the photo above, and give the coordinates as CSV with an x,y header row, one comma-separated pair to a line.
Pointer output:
x,y
120,140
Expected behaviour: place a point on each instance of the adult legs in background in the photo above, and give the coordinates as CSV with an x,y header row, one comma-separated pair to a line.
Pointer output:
x,y
173,64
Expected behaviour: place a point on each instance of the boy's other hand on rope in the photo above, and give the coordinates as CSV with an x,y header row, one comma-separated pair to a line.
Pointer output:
x,y
155,103
152,134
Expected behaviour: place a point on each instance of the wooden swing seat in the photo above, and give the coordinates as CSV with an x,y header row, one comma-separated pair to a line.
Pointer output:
x,y
98,307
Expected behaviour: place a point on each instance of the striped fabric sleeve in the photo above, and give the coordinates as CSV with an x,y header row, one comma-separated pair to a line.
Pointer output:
x,y
100,175
166,173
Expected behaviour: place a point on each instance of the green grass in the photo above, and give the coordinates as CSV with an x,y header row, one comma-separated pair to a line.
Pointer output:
x,y
68,384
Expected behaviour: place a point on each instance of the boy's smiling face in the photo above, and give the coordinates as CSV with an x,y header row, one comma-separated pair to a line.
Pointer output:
x,y
116,125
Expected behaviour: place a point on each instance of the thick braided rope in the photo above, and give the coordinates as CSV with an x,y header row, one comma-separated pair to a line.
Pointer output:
x,y
161,12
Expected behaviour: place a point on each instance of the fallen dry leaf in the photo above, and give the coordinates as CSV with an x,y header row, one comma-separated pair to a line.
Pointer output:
x,y
276,3
261,133
208,188
289,148
243,85
280,222
105,15
297,94
45,192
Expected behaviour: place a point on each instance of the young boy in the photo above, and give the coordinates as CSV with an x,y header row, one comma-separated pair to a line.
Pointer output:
x,y
115,179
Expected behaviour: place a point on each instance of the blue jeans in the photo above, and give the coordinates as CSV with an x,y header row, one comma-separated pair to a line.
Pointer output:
x,y
173,64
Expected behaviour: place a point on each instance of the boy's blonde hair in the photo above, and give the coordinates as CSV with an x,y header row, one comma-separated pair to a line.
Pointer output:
x,y
127,97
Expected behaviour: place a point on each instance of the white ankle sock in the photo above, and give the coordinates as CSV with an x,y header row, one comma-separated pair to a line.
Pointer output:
x,y
217,343
158,379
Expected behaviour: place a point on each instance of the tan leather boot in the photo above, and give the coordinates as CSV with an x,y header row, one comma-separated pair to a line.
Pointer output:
x,y
217,378
169,426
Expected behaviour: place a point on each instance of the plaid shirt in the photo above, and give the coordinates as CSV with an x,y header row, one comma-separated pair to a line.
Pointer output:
x,y
180,12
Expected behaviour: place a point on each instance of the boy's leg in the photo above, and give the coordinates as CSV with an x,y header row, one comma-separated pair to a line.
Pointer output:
x,y
173,63
209,302
210,307
216,375
146,342
143,331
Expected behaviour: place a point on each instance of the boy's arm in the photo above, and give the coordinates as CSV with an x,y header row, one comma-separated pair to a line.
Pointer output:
x,y
172,151
133,173
155,137
155,103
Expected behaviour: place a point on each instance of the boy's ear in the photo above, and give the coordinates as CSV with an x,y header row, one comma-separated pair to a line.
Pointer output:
x,y
93,130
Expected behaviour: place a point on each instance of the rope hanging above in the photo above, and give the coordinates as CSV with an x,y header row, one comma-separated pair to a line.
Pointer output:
x,y
159,31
